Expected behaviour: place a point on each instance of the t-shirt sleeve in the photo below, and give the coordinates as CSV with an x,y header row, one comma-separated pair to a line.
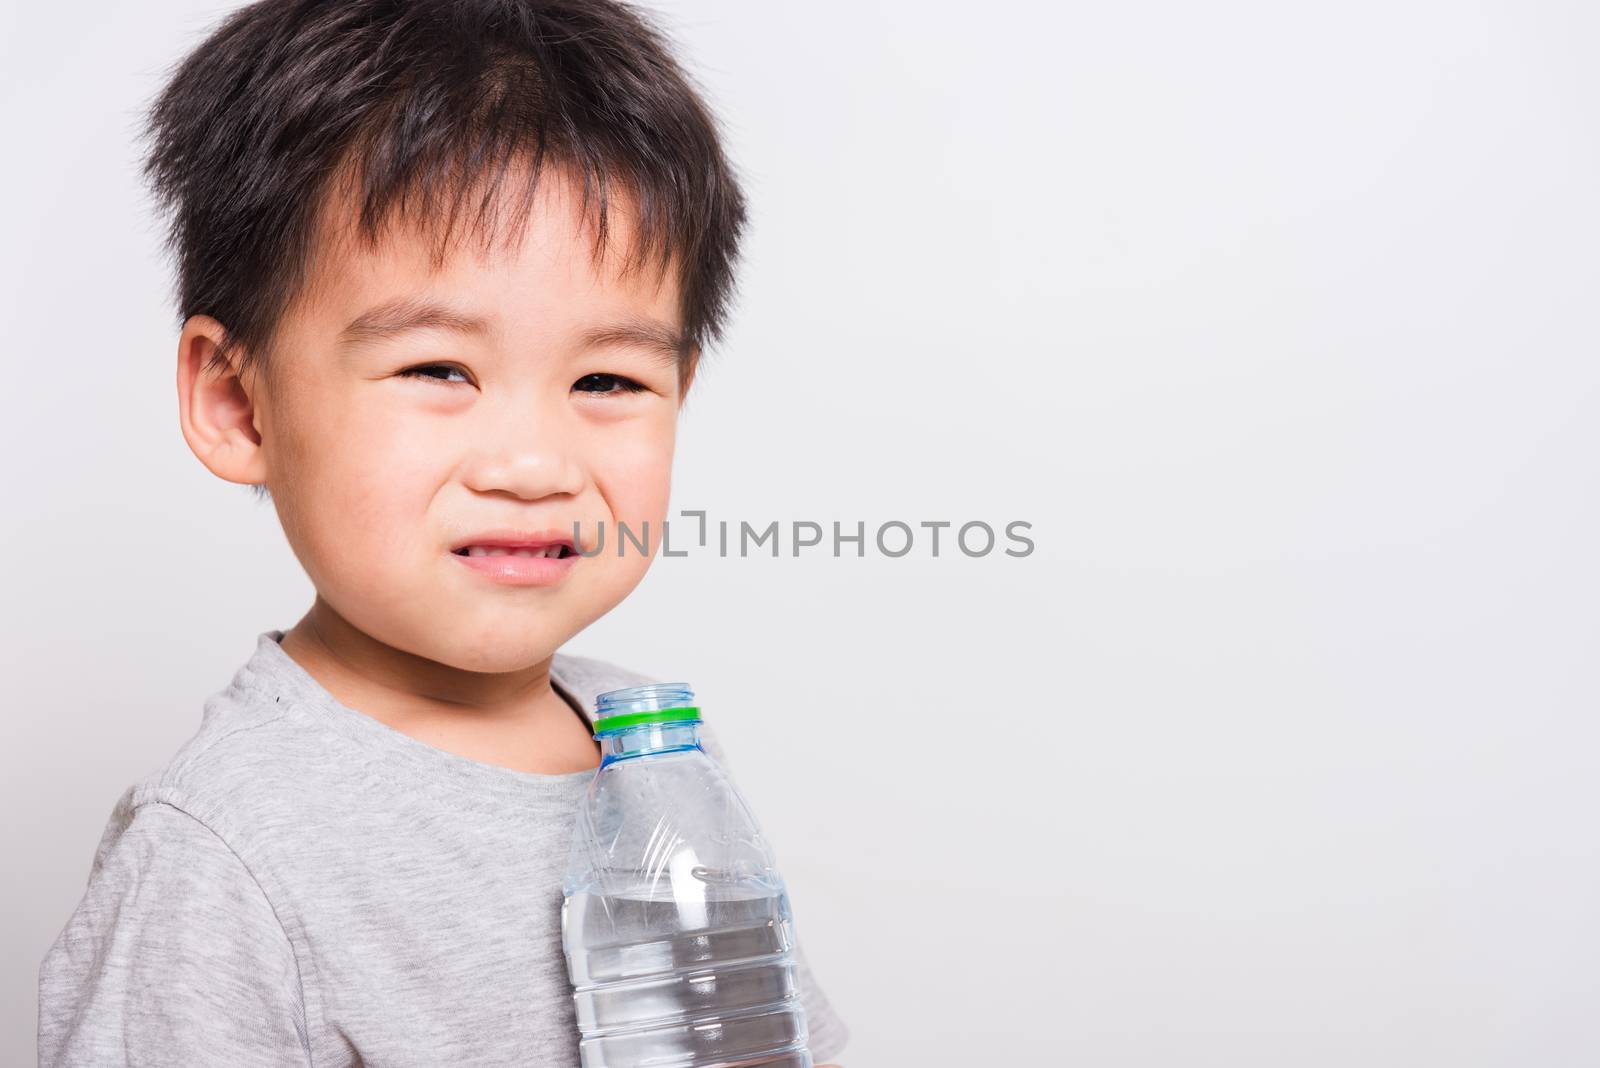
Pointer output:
x,y
828,1031
174,956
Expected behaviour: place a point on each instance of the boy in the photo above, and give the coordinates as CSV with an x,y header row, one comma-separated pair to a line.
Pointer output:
x,y
445,271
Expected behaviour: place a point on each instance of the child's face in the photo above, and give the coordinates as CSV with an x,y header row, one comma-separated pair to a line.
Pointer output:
x,y
377,476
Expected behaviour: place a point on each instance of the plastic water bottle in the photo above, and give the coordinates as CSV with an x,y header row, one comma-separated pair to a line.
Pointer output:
x,y
677,929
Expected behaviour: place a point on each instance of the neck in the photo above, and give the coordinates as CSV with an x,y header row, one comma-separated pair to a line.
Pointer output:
x,y
514,719
357,660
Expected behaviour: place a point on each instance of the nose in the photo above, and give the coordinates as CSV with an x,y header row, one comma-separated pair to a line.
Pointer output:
x,y
524,453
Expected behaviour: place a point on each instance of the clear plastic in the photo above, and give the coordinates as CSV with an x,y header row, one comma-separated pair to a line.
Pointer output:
x,y
677,928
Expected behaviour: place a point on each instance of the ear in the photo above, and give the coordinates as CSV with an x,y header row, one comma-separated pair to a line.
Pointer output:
x,y
215,409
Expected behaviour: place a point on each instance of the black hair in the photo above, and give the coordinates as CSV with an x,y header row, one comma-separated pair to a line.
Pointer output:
x,y
417,105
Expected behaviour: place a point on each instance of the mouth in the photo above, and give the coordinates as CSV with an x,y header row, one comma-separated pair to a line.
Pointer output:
x,y
550,542
514,558
558,551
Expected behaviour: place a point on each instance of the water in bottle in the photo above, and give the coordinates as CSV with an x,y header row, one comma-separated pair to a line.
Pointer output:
x,y
677,929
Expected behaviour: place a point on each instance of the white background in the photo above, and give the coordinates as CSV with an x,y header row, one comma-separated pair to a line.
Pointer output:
x,y
1278,323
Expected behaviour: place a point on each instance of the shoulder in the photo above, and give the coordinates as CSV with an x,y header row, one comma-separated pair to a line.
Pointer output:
x,y
244,749
249,757
586,677
148,840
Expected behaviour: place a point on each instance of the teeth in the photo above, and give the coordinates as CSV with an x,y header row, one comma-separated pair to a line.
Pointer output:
x,y
497,550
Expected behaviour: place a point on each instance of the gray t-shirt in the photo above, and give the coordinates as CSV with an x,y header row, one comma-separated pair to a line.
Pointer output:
x,y
303,885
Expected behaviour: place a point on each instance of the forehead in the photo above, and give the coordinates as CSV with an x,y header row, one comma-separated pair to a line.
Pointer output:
x,y
526,256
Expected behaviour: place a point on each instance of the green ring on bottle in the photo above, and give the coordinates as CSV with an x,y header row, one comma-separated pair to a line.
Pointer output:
x,y
685,714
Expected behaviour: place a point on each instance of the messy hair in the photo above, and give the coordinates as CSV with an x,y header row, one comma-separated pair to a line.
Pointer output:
x,y
423,106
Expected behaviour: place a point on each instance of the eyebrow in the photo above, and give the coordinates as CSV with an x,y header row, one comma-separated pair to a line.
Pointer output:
x,y
657,338
395,317
407,313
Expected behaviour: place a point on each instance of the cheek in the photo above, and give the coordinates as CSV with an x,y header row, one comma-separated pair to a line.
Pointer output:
x,y
634,474
360,481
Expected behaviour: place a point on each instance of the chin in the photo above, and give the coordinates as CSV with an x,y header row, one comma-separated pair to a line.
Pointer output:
x,y
493,639
496,658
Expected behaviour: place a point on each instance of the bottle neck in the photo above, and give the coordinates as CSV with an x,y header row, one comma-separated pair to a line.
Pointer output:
x,y
647,738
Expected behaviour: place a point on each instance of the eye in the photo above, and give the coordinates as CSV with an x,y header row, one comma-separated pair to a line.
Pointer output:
x,y
438,372
604,383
